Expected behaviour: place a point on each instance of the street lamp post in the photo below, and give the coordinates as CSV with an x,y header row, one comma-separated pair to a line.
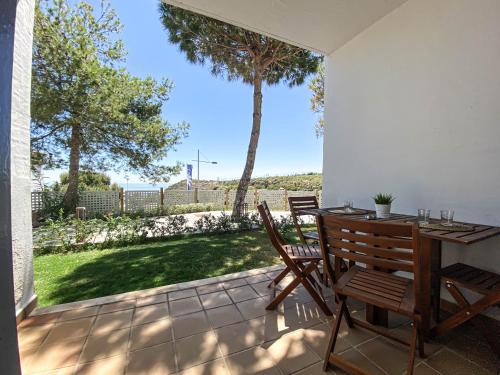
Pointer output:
x,y
198,161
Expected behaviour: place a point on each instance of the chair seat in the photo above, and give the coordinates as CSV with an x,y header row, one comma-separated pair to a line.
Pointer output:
x,y
478,280
378,288
303,252
311,236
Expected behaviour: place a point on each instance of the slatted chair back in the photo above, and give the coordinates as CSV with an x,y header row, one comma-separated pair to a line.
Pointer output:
x,y
379,245
297,205
270,225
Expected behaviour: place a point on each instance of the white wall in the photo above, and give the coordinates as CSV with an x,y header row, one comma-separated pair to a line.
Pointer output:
x,y
413,108
20,156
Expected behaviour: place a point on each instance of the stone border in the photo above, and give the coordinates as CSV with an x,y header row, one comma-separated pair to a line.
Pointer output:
x,y
152,291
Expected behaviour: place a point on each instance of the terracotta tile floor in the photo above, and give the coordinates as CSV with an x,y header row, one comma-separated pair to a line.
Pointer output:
x,y
220,326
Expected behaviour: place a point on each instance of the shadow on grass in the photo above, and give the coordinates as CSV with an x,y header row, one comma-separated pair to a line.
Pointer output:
x,y
161,263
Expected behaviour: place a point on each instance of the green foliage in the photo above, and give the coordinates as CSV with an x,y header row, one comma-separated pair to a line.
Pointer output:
x,y
317,86
236,53
382,198
86,105
68,234
87,181
307,182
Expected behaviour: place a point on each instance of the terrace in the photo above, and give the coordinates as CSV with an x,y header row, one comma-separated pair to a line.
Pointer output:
x,y
410,109
220,326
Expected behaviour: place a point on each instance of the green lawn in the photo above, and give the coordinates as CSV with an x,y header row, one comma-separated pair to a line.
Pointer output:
x,y
61,278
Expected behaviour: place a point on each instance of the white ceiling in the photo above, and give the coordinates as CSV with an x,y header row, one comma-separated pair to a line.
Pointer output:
x,y
319,25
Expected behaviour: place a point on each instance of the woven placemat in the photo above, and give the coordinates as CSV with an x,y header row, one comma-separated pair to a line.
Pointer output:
x,y
450,228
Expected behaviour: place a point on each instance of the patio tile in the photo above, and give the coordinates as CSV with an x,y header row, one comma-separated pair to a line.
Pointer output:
x,y
316,369
26,355
252,361
180,294
215,299
302,316
234,283
79,313
354,336
257,278
70,329
262,289
117,306
271,326
386,354
242,293
352,355
156,360
238,337
253,308
223,316
113,321
56,354
423,369
475,349
317,338
112,365
290,353
105,345
197,349
151,334
151,300
185,306
217,367
70,370
448,363
150,313
190,324
33,336
38,320
210,288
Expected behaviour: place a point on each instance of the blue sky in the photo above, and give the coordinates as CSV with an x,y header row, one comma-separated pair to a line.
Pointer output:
x,y
218,111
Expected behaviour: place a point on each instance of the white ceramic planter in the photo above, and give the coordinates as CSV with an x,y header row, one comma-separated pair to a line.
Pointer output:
x,y
383,211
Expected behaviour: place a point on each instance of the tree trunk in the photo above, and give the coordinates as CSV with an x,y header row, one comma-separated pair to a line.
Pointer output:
x,y
252,147
70,200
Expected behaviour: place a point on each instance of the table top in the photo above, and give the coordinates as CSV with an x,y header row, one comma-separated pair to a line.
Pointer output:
x,y
480,232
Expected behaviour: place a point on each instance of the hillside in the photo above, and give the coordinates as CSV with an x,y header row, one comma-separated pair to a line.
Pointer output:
x,y
308,181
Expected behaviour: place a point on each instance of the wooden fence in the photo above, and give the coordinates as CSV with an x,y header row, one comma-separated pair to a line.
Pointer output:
x,y
129,201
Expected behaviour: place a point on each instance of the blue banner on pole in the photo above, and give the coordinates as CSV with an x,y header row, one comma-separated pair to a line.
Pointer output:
x,y
189,176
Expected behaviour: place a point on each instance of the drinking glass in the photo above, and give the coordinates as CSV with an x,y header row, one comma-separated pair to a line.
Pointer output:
x,y
348,206
423,216
447,217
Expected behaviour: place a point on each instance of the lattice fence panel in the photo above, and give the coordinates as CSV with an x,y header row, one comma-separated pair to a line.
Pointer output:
x,y
40,198
101,202
275,199
215,197
176,197
142,200
249,199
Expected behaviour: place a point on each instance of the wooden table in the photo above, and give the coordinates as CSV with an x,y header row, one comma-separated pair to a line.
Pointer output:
x,y
430,252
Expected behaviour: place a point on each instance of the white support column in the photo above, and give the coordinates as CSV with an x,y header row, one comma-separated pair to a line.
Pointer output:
x,y
16,264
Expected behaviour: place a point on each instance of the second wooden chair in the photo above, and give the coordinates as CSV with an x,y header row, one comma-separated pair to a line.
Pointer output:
x,y
300,260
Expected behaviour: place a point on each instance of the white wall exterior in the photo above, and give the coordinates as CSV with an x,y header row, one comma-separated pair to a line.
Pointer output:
x,y
412,108
20,156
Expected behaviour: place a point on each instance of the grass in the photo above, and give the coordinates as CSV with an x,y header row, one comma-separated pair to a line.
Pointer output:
x,y
61,278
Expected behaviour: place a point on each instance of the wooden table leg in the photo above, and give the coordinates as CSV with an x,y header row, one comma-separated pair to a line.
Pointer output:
x,y
436,279
430,253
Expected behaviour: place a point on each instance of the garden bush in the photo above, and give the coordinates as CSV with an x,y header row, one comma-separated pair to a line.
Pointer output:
x,y
67,233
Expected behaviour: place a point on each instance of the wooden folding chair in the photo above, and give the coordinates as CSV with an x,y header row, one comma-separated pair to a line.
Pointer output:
x,y
297,205
485,283
381,247
301,260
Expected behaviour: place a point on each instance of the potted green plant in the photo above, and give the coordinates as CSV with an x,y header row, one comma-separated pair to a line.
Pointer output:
x,y
383,205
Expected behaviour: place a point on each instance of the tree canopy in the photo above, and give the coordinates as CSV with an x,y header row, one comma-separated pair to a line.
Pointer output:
x,y
235,53
88,112
317,86
88,181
